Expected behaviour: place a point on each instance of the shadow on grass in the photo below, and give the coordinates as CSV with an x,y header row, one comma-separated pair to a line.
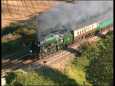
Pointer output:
x,y
15,51
47,77
56,76
16,46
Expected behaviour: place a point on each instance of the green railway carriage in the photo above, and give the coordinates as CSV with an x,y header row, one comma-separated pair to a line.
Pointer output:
x,y
94,27
104,23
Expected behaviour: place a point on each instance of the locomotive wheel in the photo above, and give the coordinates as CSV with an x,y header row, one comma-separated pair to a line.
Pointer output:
x,y
43,54
54,49
58,48
51,51
37,56
40,56
48,52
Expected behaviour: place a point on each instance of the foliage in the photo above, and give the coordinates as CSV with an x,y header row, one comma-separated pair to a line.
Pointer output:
x,y
77,70
77,74
100,70
10,78
95,63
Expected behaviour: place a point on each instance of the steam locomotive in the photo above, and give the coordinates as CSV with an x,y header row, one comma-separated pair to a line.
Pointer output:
x,y
58,39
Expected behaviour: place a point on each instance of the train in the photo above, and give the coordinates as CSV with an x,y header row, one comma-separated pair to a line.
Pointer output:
x,y
58,39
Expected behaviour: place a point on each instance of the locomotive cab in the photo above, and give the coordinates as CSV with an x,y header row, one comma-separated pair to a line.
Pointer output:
x,y
34,48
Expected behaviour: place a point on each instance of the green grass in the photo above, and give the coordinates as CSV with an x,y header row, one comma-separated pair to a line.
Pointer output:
x,y
44,76
76,70
77,74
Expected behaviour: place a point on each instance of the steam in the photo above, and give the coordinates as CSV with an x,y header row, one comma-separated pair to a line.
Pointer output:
x,y
74,15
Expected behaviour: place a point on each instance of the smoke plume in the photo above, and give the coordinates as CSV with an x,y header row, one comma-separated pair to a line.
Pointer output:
x,y
74,15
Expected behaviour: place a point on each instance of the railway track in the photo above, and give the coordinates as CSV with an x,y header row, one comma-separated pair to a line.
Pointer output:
x,y
49,60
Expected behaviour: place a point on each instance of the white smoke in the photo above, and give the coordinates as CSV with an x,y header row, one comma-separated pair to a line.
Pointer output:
x,y
74,15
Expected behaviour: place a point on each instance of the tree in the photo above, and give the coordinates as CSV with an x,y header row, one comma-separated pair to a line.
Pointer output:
x,y
100,70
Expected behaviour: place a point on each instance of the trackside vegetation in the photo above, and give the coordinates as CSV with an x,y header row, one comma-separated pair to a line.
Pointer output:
x,y
95,66
100,69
